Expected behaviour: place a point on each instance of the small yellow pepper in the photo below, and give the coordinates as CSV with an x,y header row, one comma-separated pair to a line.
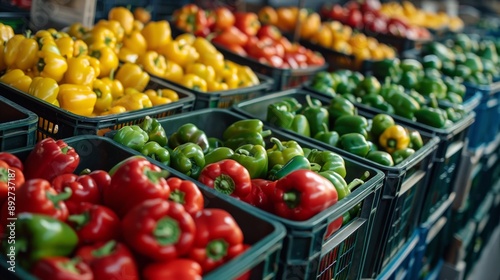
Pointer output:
x,y
124,16
51,65
79,71
133,100
206,72
114,26
100,35
114,110
231,79
173,72
48,44
78,99
156,98
77,30
215,60
66,46
80,48
216,86
247,76
45,89
132,76
135,42
6,32
108,60
175,52
114,85
394,138
185,39
138,25
18,79
157,34
203,46
104,97
127,55
21,52
153,63
191,81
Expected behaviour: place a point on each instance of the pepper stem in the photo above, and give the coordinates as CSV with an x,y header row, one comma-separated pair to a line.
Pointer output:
x,y
391,143
291,198
217,249
266,133
70,265
85,171
4,175
80,219
56,198
167,231
65,150
224,184
309,101
240,151
365,175
278,144
325,127
154,176
178,196
355,183
105,249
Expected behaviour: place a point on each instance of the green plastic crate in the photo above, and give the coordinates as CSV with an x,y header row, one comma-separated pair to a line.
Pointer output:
x,y
58,123
17,125
265,239
305,253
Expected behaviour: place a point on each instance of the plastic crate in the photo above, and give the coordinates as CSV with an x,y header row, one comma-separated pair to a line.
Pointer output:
x,y
58,123
401,44
17,18
159,9
402,266
402,191
495,210
305,253
265,240
17,125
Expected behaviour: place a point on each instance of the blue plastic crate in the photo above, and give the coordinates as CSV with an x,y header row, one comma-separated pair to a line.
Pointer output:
x,y
402,266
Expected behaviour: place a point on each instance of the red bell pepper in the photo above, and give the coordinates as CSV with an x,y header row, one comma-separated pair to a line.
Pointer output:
x,y
302,194
83,189
186,193
193,19
132,181
248,22
178,269
333,227
227,176
50,158
94,223
101,177
269,31
12,160
261,195
111,260
230,36
61,268
218,239
11,178
159,229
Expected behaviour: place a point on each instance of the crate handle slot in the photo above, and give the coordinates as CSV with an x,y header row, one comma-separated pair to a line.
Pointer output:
x,y
342,234
412,181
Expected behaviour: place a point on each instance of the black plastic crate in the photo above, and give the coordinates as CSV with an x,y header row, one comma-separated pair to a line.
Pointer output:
x,y
305,254
402,191
58,123
17,125
403,264
15,17
265,240
159,9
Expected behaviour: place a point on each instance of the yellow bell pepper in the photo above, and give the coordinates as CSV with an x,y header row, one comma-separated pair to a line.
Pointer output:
x,y
132,76
78,99
45,89
77,30
51,65
168,93
56,34
114,26
206,72
138,25
114,85
173,72
231,79
66,46
104,97
48,44
6,32
80,48
153,63
203,46
215,60
43,33
135,42
3,65
127,55
124,16
21,52
186,39
100,35
156,98
157,34
247,76
394,138
18,79
216,86
175,52
133,100
80,71
191,81
114,110
108,60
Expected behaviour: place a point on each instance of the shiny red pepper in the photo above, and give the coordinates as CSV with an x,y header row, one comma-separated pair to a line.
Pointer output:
x,y
111,260
83,188
61,268
50,158
94,223
101,177
218,239
186,193
11,178
227,176
333,227
12,160
261,195
179,269
248,22
132,181
159,229
302,194
193,19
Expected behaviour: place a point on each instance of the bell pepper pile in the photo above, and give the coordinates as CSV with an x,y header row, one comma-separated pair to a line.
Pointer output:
x,y
133,221
244,34
79,70
408,90
380,139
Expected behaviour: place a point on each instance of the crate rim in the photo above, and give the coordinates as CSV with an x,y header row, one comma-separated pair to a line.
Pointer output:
x,y
401,256
31,118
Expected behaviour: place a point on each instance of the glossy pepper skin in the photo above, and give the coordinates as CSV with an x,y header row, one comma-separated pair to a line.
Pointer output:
x,y
110,260
416,141
317,116
326,136
131,75
302,194
394,138
282,152
80,71
78,99
103,94
381,157
254,138
280,114
50,158
218,154
188,158
44,237
297,162
340,106
133,100
189,133
218,239
354,143
261,195
241,127
435,117
45,89
83,189
11,178
404,105
253,158
228,177
155,131
51,65
132,136
134,180
12,160
153,63
186,193
61,268
327,161
156,152
351,124
185,269
338,182
380,122
21,52
400,155
159,229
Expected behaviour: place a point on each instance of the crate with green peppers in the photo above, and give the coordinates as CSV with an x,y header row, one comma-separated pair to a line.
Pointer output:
x,y
280,176
411,94
404,155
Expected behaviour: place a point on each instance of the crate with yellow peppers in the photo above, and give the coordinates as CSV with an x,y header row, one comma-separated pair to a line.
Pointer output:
x,y
73,80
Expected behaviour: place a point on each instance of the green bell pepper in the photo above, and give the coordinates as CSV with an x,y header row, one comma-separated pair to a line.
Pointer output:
x,y
416,141
153,150
429,85
380,122
435,117
253,158
243,127
449,68
389,67
294,104
354,143
131,136
404,105
300,125
473,62
453,115
280,115
411,65
380,157
432,61
388,89
328,160
454,85
340,106
188,158
279,171
329,137
369,85
400,155
218,154
40,236
155,131
322,78
338,182
189,133
255,138
454,98
351,124
316,116
214,143
409,80
378,102
461,71
282,152
421,100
